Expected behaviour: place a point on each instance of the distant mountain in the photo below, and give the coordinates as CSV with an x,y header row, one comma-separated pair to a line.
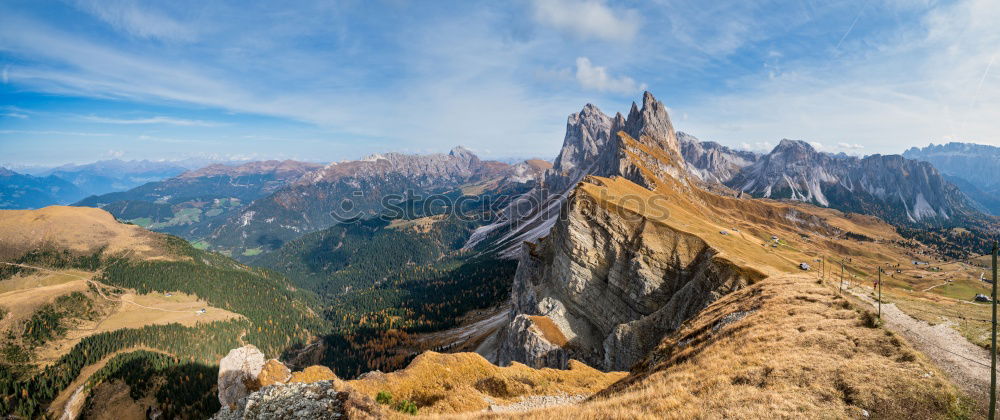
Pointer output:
x,y
972,167
892,187
711,161
192,204
115,175
349,189
20,191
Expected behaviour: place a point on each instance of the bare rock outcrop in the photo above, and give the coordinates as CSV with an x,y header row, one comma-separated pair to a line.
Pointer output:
x,y
238,373
532,347
315,400
250,388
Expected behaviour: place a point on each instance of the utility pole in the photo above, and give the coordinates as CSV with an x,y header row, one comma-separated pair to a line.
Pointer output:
x,y
993,342
841,277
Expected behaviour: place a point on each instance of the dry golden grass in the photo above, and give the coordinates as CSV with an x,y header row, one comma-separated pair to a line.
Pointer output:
x,y
783,348
549,330
128,310
83,230
461,382
125,312
26,293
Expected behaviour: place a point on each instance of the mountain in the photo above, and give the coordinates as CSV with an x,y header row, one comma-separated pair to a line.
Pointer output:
x,y
698,295
346,190
712,162
973,169
194,203
115,175
19,191
590,147
891,187
91,306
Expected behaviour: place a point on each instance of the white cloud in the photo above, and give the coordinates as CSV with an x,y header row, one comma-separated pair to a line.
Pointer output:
x,y
588,19
139,21
850,146
597,78
5,76
926,82
15,115
817,145
151,120
760,146
116,153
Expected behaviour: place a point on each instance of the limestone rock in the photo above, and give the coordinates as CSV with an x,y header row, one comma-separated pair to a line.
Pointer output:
x,y
524,342
238,373
316,400
613,282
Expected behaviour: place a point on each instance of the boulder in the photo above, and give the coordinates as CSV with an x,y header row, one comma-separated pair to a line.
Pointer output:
x,y
238,373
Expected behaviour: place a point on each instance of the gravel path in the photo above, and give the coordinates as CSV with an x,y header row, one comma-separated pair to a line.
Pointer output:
x,y
535,402
967,364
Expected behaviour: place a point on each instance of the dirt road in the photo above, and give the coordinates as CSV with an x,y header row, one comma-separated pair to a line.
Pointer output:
x,y
967,364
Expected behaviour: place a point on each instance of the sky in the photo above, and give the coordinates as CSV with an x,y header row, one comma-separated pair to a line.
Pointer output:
x,y
84,80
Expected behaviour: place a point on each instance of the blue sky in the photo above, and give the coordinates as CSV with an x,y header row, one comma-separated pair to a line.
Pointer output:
x,y
82,80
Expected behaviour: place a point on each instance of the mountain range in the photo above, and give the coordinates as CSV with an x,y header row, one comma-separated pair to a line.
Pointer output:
x,y
971,167
892,187
654,272
19,191
194,203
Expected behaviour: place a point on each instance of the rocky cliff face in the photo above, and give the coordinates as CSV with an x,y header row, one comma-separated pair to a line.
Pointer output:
x,y
613,280
889,186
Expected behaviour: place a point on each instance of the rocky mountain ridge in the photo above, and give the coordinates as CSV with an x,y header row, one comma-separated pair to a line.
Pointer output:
x,y
974,166
892,187
591,146
344,190
22,191
195,203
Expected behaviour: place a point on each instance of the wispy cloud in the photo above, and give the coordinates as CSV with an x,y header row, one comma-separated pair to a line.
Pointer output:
x,y
56,133
589,19
924,83
151,120
597,78
137,19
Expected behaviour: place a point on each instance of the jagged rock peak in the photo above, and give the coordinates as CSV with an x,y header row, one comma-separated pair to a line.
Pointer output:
x,y
462,152
587,132
653,122
786,144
